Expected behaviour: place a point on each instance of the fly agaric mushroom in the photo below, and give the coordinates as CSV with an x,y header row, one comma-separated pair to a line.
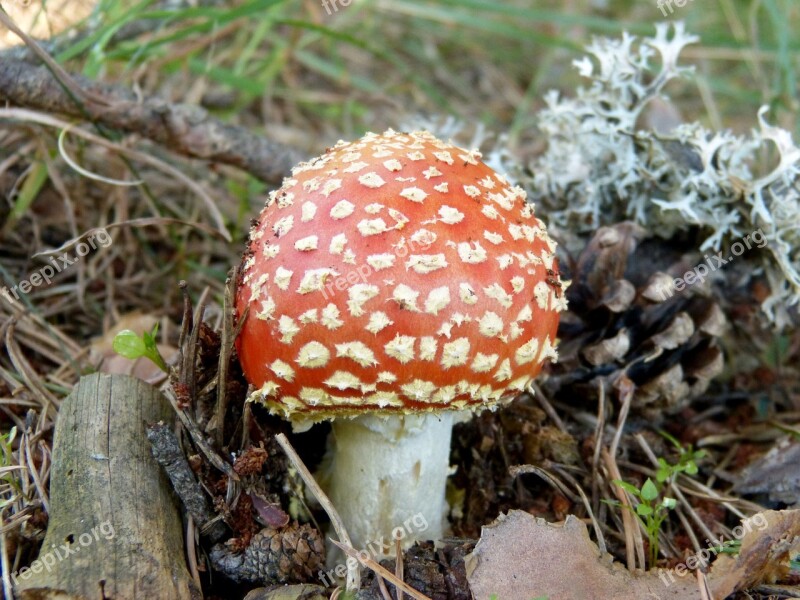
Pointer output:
x,y
391,282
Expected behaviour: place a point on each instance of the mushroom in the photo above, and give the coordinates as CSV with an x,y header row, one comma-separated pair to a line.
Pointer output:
x,y
392,282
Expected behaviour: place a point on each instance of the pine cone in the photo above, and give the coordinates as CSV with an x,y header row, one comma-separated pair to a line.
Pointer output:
x,y
626,323
290,554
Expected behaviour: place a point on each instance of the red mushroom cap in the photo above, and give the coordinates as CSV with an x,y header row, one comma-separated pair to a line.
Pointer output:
x,y
396,273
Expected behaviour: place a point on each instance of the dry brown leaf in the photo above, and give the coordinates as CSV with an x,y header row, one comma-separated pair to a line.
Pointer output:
x,y
520,557
772,537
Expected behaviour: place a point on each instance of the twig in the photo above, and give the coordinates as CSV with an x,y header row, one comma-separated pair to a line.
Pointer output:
x,y
181,128
630,527
225,351
353,581
398,565
381,571
167,451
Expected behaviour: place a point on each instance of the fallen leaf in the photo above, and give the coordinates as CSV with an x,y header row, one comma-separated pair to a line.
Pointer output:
x,y
520,557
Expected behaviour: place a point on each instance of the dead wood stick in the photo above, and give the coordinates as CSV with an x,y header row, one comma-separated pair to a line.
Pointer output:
x,y
168,453
113,531
181,128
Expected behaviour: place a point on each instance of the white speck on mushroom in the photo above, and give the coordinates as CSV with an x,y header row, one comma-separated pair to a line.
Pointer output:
x,y
527,352
342,209
423,237
503,372
496,292
350,157
282,278
471,157
431,172
467,293
490,324
282,370
494,238
331,186
437,299
549,351
338,242
441,188
515,231
542,294
415,156
306,244
427,347
472,191
369,227
314,396
406,297
505,261
517,284
401,348
444,156
283,225
487,182
490,211
384,399
267,309
271,250
314,280
330,317
414,194
426,263
359,294
444,395
450,215
309,316
311,185
287,328
393,164
269,389
371,180
358,352
374,208
455,353
378,320
381,261
313,355
386,377
514,330
286,199
341,380
418,390
445,330
471,253
355,167
458,319
349,257
482,363
308,211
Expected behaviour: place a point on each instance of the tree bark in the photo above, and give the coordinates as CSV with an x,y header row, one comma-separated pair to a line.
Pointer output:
x,y
114,531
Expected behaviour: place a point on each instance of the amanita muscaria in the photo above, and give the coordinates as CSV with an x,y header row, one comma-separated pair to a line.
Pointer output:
x,y
391,282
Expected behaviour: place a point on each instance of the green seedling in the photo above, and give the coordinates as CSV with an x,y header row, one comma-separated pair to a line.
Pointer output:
x,y
130,345
653,505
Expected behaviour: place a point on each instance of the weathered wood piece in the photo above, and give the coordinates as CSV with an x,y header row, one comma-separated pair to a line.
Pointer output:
x,y
114,530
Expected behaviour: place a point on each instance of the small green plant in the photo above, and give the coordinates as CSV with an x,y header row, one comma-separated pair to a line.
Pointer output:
x,y
653,505
687,461
649,511
130,345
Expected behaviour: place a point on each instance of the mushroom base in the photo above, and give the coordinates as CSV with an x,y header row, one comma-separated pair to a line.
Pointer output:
x,y
387,480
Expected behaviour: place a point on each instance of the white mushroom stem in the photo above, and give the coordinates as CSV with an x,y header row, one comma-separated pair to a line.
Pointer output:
x,y
388,477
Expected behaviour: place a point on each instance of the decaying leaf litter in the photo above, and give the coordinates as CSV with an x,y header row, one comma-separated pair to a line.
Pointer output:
x,y
702,381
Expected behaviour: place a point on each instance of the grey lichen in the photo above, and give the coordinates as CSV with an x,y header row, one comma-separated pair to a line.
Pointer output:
x,y
600,168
